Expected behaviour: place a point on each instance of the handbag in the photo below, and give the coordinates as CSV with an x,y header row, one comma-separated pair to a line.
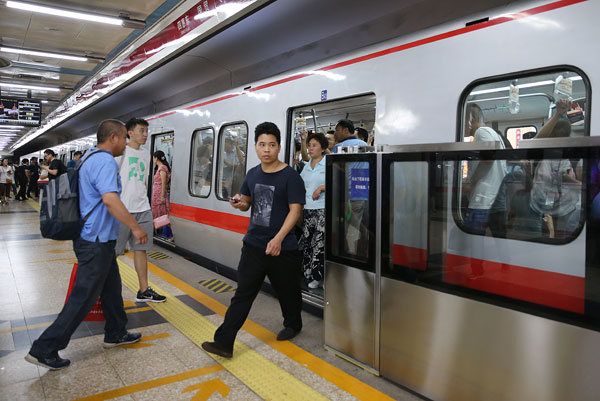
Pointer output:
x,y
8,181
162,221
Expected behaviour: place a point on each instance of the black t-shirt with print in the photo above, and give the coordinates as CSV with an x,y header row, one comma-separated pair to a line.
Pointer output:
x,y
271,194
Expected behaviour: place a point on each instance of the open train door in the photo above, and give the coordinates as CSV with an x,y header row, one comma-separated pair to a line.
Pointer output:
x,y
164,142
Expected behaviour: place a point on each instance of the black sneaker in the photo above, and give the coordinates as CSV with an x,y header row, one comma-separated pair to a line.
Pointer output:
x,y
287,333
149,296
53,362
128,338
218,349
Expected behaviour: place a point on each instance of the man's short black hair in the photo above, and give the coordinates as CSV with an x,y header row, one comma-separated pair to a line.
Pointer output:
x,y
362,133
106,128
49,152
346,124
77,153
269,129
25,161
135,121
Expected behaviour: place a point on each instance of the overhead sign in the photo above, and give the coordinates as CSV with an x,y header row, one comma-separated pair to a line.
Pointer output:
x,y
20,112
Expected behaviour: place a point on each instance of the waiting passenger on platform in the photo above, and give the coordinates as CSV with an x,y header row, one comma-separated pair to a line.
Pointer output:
x,y
6,177
312,242
73,162
276,193
134,169
22,177
485,176
98,272
34,176
54,166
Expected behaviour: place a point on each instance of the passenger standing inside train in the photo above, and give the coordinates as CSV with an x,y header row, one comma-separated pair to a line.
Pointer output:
x,y
276,193
485,176
312,242
55,167
344,136
98,272
134,168
34,176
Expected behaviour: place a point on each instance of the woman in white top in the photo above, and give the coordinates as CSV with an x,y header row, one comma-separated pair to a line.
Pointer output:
x,y
6,178
312,242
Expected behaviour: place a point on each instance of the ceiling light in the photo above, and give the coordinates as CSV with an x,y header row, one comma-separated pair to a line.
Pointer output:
x,y
62,12
35,88
42,54
44,101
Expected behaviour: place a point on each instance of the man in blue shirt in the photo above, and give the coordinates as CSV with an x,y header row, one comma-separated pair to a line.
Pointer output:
x,y
276,193
344,136
98,272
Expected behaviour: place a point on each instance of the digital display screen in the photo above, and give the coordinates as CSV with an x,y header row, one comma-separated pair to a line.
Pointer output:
x,y
20,112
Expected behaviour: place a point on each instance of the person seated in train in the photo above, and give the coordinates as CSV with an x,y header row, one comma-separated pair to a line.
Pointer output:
x,y
203,171
556,191
485,177
73,162
276,193
231,160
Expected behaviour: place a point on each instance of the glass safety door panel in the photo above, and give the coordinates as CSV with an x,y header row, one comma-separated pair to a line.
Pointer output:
x,y
350,273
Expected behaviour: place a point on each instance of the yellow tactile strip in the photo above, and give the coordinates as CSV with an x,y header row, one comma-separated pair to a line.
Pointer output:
x,y
258,373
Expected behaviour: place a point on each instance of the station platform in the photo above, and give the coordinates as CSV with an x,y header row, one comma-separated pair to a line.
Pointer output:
x,y
168,363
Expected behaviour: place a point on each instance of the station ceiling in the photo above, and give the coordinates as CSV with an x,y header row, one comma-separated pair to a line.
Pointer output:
x,y
276,37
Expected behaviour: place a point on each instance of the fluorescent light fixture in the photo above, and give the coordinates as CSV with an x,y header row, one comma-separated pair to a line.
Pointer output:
x,y
11,127
44,101
62,12
35,88
42,54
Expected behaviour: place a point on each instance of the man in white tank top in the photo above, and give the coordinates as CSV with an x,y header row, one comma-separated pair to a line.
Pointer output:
x,y
485,176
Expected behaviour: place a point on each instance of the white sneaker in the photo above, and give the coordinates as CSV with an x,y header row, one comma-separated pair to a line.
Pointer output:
x,y
315,284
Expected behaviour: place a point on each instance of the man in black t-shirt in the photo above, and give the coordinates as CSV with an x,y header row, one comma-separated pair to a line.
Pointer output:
x,y
34,175
276,193
22,177
55,167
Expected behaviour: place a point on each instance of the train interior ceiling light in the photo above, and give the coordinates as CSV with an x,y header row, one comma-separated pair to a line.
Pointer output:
x,y
123,21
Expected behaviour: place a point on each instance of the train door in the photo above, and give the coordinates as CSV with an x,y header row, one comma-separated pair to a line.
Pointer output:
x,y
322,118
164,143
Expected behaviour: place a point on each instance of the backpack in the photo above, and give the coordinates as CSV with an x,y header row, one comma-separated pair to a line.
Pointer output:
x,y
60,217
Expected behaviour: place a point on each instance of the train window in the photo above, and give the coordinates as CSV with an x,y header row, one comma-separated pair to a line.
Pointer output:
x,y
526,199
323,117
202,157
516,134
233,146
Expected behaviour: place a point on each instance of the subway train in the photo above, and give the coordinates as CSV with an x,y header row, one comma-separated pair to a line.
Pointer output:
x,y
459,313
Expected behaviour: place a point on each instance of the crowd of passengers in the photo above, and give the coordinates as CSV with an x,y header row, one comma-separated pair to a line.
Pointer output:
x,y
523,199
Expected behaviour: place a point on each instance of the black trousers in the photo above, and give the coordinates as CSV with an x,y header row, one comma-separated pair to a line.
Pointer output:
x,y
22,189
97,275
33,186
284,273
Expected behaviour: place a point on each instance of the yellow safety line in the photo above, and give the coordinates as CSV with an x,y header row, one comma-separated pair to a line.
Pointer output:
x,y
338,377
34,204
258,373
151,384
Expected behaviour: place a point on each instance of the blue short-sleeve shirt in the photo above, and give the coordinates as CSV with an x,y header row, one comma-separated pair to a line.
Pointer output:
x,y
97,176
313,179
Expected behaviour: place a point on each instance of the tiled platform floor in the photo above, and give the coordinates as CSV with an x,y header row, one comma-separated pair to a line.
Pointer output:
x,y
165,365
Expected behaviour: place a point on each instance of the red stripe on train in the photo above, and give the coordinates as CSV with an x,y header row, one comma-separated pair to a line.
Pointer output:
x,y
556,290
415,258
226,221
